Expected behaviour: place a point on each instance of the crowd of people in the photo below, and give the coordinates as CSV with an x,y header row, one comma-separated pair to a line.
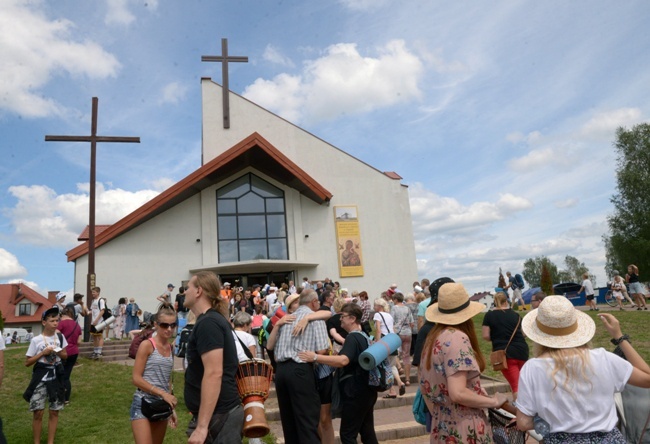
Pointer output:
x,y
314,335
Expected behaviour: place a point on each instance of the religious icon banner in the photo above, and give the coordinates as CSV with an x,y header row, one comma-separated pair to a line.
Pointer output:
x,y
348,239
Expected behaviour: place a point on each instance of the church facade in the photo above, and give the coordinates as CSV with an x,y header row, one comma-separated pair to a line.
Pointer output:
x,y
271,202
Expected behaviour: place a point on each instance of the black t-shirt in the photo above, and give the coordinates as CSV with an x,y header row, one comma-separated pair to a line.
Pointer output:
x,y
180,301
211,331
335,322
355,344
419,342
502,323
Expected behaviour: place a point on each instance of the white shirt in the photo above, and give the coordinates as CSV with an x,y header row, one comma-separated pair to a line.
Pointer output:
x,y
7,340
247,339
588,406
386,323
271,298
41,342
589,288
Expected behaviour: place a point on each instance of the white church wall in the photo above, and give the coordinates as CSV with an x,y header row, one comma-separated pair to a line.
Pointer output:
x,y
141,262
383,205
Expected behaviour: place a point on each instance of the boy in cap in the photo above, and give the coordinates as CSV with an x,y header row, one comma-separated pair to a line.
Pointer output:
x,y
45,353
166,297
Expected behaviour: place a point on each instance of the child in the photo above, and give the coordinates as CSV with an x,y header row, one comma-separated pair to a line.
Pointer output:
x,y
46,351
617,290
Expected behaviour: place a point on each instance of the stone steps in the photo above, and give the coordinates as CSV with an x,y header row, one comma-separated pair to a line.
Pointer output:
x,y
113,350
393,417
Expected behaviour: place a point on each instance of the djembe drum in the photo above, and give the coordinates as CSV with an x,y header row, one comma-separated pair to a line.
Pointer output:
x,y
253,382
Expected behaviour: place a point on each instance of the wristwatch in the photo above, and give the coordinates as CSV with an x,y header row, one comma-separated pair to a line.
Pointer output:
x,y
621,339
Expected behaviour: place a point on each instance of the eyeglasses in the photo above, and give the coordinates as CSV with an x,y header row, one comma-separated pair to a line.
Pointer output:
x,y
166,325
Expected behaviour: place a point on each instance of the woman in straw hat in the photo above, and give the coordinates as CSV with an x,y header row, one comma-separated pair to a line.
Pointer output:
x,y
450,370
569,385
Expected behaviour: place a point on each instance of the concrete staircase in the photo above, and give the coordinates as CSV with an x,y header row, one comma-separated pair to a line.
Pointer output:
x,y
394,421
113,350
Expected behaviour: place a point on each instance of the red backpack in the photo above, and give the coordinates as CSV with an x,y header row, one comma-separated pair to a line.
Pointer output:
x,y
137,340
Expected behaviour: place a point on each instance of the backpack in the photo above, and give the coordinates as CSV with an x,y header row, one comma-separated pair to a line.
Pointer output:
x,y
137,340
520,281
182,342
380,378
107,311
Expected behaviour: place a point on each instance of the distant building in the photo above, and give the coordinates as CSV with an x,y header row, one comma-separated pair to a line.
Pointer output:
x,y
271,202
23,307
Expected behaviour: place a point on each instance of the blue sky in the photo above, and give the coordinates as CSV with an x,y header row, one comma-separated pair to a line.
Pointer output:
x,y
499,116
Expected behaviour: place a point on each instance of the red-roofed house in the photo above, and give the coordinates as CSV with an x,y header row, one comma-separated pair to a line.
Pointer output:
x,y
23,307
266,205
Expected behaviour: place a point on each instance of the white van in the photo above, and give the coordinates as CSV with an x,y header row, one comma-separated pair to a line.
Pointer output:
x,y
22,333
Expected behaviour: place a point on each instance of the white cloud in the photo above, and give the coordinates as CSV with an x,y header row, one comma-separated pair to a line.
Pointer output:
x,y
435,215
604,124
10,267
41,217
34,48
562,156
361,83
162,183
118,13
363,5
33,285
273,54
173,93
567,203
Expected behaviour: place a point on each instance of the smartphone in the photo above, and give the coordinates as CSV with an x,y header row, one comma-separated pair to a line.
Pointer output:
x,y
57,349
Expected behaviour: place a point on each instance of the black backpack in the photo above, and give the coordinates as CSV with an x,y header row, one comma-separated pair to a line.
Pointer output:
x,y
182,342
107,311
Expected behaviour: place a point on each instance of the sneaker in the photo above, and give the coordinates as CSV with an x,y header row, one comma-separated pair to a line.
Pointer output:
x,y
78,364
597,309
93,355
66,403
622,309
638,308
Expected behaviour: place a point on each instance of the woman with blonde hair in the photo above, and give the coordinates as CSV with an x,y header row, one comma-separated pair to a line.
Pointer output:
x,y
570,385
152,371
450,370
384,324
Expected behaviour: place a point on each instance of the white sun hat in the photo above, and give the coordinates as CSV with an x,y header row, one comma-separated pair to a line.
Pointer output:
x,y
557,324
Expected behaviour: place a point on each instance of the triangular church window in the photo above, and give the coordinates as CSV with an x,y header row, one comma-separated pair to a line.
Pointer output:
x,y
251,220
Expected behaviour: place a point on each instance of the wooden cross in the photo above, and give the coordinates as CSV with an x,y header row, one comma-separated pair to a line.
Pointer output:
x,y
224,59
93,139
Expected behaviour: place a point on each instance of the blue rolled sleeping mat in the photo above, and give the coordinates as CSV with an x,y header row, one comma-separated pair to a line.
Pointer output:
x,y
379,351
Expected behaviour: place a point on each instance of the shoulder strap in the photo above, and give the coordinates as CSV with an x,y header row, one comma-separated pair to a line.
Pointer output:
x,y
246,350
382,318
513,333
153,343
60,335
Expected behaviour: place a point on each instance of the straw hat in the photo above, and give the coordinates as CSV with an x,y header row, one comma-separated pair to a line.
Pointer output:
x,y
557,324
290,299
453,306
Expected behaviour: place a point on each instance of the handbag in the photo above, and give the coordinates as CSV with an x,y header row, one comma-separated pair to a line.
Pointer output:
x,y
419,408
498,358
154,408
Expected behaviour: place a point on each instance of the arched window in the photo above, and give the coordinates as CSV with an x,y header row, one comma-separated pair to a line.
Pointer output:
x,y
251,220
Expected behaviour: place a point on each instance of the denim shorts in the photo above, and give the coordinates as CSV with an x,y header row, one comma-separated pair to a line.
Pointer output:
x,y
136,408
636,287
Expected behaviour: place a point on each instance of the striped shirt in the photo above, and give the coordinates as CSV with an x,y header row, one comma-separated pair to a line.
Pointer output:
x,y
157,370
314,338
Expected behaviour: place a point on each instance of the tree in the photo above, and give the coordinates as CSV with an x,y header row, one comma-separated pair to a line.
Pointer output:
x,y
532,271
628,241
574,271
545,281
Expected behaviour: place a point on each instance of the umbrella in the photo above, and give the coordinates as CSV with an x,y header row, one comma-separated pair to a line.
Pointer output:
x,y
528,294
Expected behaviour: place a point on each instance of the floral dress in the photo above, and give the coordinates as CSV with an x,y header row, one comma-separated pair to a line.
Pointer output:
x,y
451,422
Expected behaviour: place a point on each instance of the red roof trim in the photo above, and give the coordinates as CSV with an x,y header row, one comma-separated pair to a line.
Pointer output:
x,y
393,175
317,192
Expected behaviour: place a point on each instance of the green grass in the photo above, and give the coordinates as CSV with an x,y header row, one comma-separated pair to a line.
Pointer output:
x,y
634,323
99,409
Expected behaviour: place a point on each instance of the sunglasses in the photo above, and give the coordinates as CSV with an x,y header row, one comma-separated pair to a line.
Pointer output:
x,y
166,325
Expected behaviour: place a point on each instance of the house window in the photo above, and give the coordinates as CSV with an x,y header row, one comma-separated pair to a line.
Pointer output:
x,y
251,220
24,309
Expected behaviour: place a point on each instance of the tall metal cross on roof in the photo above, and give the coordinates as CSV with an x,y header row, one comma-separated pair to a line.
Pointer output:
x,y
224,59
93,139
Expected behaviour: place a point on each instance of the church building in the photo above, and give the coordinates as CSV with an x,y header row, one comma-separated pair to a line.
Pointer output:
x,y
270,203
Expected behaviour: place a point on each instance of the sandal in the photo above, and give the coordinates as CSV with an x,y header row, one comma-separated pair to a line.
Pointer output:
x,y
390,396
402,389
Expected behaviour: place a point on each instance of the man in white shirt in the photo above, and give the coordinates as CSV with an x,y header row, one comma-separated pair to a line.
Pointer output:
x,y
588,288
